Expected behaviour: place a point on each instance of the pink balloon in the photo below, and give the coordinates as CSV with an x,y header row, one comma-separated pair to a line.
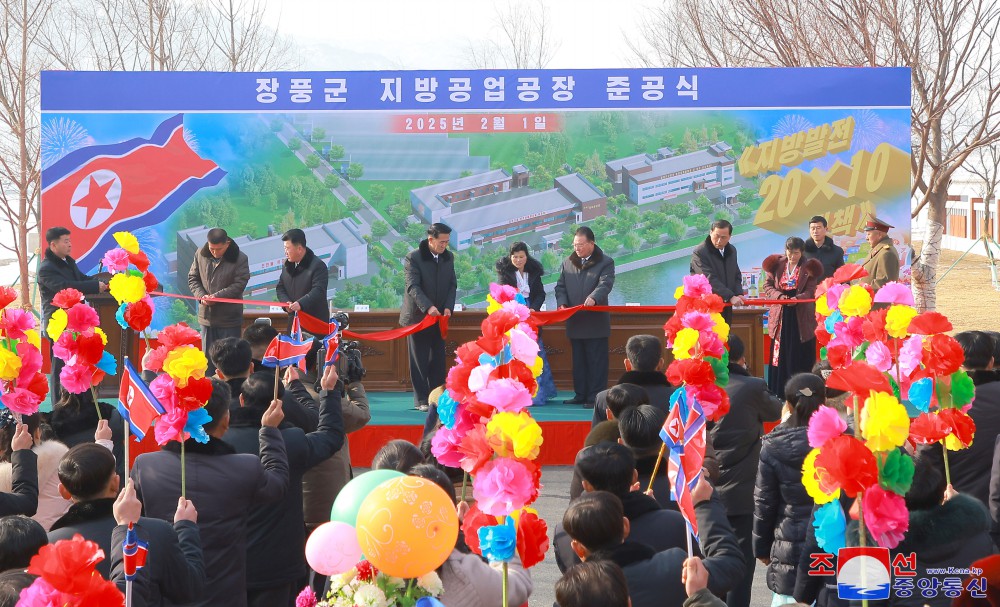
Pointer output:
x,y
333,548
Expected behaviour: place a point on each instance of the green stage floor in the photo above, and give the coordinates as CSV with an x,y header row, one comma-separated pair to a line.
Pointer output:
x,y
396,409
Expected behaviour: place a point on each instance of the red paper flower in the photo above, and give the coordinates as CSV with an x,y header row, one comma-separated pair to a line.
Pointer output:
x,y
469,353
713,399
691,371
517,370
532,539
474,519
81,317
8,296
928,428
139,260
66,299
859,377
195,394
929,323
475,449
849,464
499,322
89,349
839,356
138,315
873,325
822,337
68,565
178,335
36,383
943,354
457,381
156,357
491,344
847,273
150,281
959,424
366,571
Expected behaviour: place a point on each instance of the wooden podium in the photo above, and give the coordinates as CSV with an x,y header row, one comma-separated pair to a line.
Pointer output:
x,y
121,342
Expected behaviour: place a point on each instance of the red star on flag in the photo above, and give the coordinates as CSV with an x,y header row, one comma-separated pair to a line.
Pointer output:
x,y
96,198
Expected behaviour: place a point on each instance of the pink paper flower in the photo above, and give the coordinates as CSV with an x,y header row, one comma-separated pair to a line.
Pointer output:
x,y
165,391
833,295
528,330
43,594
464,419
77,379
475,450
116,260
156,357
696,285
31,361
885,516
825,424
710,344
306,598
895,293
479,377
522,347
170,426
879,356
521,311
505,394
81,317
714,400
503,486
444,447
699,321
502,293
22,401
911,354
65,348
849,332
15,321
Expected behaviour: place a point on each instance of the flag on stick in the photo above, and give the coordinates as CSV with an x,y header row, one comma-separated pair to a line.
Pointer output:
x,y
684,435
136,403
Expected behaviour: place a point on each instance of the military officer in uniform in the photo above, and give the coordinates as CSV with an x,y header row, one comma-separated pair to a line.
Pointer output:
x,y
883,260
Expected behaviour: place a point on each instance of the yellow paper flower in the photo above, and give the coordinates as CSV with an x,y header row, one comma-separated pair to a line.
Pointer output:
x,y
10,365
679,292
897,320
34,338
492,305
185,362
536,368
821,306
856,301
884,422
685,339
721,327
516,515
517,435
57,324
126,288
127,241
104,336
810,480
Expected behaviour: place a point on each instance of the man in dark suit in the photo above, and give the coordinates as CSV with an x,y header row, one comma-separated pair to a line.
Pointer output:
x,y
430,291
58,271
304,278
587,277
716,259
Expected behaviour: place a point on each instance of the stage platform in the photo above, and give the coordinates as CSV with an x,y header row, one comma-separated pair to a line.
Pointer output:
x,y
564,427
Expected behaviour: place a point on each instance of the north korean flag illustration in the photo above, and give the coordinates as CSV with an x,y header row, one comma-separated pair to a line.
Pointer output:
x,y
102,189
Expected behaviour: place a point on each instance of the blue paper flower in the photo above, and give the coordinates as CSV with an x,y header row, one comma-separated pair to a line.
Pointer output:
x,y
446,408
920,393
519,298
195,425
830,525
108,364
832,320
120,316
498,542
429,601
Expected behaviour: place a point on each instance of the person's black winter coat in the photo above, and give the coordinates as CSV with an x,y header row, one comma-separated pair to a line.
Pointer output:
x,y
654,383
829,254
722,270
23,498
737,438
56,274
175,570
297,404
306,283
506,273
276,532
782,508
428,283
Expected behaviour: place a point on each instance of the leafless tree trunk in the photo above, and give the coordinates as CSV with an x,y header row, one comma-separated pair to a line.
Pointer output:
x,y
948,44
20,64
240,39
523,39
985,165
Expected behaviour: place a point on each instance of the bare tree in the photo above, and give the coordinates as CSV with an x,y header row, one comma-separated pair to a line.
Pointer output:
x,y
948,44
984,164
522,38
20,63
240,39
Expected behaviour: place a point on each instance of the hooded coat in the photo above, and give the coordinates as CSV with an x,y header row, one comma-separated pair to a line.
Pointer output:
x,y
809,274
226,278
782,508
578,281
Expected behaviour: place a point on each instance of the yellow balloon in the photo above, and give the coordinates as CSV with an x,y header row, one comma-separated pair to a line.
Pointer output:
x,y
407,527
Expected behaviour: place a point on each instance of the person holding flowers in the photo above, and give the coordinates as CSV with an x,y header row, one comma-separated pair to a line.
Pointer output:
x,y
792,325
782,507
58,271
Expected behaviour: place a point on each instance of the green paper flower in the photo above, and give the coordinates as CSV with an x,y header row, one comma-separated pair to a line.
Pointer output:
x,y
721,368
962,388
895,472
895,389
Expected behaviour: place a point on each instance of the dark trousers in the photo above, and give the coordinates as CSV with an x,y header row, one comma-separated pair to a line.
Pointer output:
x,y
742,525
277,596
55,388
427,362
590,367
210,335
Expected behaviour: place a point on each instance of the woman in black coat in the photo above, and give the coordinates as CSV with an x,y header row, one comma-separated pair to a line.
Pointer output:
x,y
782,507
520,270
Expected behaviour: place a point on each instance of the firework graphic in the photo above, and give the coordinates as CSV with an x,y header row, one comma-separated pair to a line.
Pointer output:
x,y
789,125
869,130
60,136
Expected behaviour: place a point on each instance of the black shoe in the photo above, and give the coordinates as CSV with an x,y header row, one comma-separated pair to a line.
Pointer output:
x,y
588,405
573,401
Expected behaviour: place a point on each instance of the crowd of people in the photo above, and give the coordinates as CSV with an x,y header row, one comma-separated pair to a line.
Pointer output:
x,y
272,466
